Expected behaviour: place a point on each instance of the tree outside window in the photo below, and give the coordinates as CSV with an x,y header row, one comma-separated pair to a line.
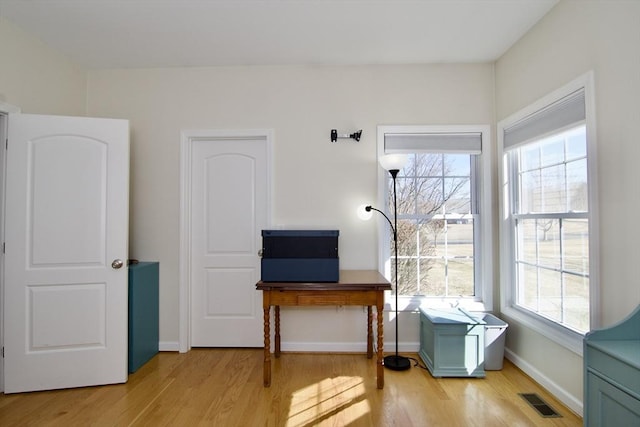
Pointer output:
x,y
436,217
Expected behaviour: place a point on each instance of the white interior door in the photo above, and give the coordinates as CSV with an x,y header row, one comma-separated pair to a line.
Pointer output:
x,y
66,223
229,199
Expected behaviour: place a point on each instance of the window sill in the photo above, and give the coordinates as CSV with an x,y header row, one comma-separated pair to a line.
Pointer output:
x,y
562,336
413,304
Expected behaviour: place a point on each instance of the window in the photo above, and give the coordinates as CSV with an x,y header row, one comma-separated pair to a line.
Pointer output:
x,y
435,225
440,196
551,228
547,223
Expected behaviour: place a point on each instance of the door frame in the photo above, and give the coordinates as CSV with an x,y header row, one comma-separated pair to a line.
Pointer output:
x,y
188,137
5,110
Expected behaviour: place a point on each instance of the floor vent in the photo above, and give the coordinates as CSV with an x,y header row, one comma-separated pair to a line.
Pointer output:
x,y
540,405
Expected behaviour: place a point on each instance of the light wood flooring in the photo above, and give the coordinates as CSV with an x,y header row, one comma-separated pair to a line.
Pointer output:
x,y
223,387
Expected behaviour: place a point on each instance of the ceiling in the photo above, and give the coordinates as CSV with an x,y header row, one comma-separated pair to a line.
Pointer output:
x,y
189,33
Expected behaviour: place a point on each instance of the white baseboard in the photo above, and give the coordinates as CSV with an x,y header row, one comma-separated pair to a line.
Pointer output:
x,y
169,346
319,347
572,402
345,347
325,347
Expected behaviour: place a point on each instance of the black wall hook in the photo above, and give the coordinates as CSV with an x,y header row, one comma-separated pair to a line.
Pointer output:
x,y
335,135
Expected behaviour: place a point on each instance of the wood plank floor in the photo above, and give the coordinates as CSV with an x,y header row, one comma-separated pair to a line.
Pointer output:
x,y
223,387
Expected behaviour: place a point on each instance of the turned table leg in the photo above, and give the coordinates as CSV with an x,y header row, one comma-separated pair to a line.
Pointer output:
x,y
267,348
369,332
277,332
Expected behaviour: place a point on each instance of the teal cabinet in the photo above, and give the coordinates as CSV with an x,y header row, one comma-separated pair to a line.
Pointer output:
x,y
608,405
143,313
612,375
452,343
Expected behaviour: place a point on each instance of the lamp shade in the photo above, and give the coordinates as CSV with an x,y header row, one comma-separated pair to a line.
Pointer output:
x,y
393,161
363,213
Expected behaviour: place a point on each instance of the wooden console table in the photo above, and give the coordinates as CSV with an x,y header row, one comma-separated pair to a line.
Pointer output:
x,y
354,287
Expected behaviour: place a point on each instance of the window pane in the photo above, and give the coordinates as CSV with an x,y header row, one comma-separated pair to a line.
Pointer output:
x,y
553,190
575,245
429,195
577,186
553,269
550,302
457,194
530,194
432,277
432,238
527,291
552,151
539,242
457,165
577,144
407,276
530,157
428,164
553,174
541,291
409,168
576,302
460,239
527,233
407,238
460,277
549,243
405,188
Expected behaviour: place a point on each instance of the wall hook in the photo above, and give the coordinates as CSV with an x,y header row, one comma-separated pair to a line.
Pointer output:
x,y
335,135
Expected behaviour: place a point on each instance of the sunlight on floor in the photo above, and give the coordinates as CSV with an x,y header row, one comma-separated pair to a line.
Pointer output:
x,y
335,401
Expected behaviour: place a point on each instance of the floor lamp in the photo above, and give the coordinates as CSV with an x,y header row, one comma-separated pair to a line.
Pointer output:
x,y
393,163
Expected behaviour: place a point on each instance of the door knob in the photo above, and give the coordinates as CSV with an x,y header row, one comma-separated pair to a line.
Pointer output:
x,y
117,263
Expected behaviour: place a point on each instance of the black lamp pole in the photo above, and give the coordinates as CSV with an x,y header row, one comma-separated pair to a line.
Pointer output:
x,y
394,362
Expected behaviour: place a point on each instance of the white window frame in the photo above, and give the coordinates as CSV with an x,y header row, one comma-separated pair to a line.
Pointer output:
x,y
561,335
483,230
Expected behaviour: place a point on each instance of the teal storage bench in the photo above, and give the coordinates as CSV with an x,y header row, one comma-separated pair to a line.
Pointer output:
x,y
143,313
612,374
452,343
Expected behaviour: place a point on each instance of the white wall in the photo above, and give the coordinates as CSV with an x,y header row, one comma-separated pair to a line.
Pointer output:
x,y
575,37
36,78
316,183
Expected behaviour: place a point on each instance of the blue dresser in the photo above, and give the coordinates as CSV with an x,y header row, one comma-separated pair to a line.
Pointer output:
x,y
612,374
143,313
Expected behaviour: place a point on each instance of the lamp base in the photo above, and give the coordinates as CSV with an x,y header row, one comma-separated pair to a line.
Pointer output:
x,y
397,363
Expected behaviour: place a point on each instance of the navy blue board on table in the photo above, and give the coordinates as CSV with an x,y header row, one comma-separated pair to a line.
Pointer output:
x,y
300,256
